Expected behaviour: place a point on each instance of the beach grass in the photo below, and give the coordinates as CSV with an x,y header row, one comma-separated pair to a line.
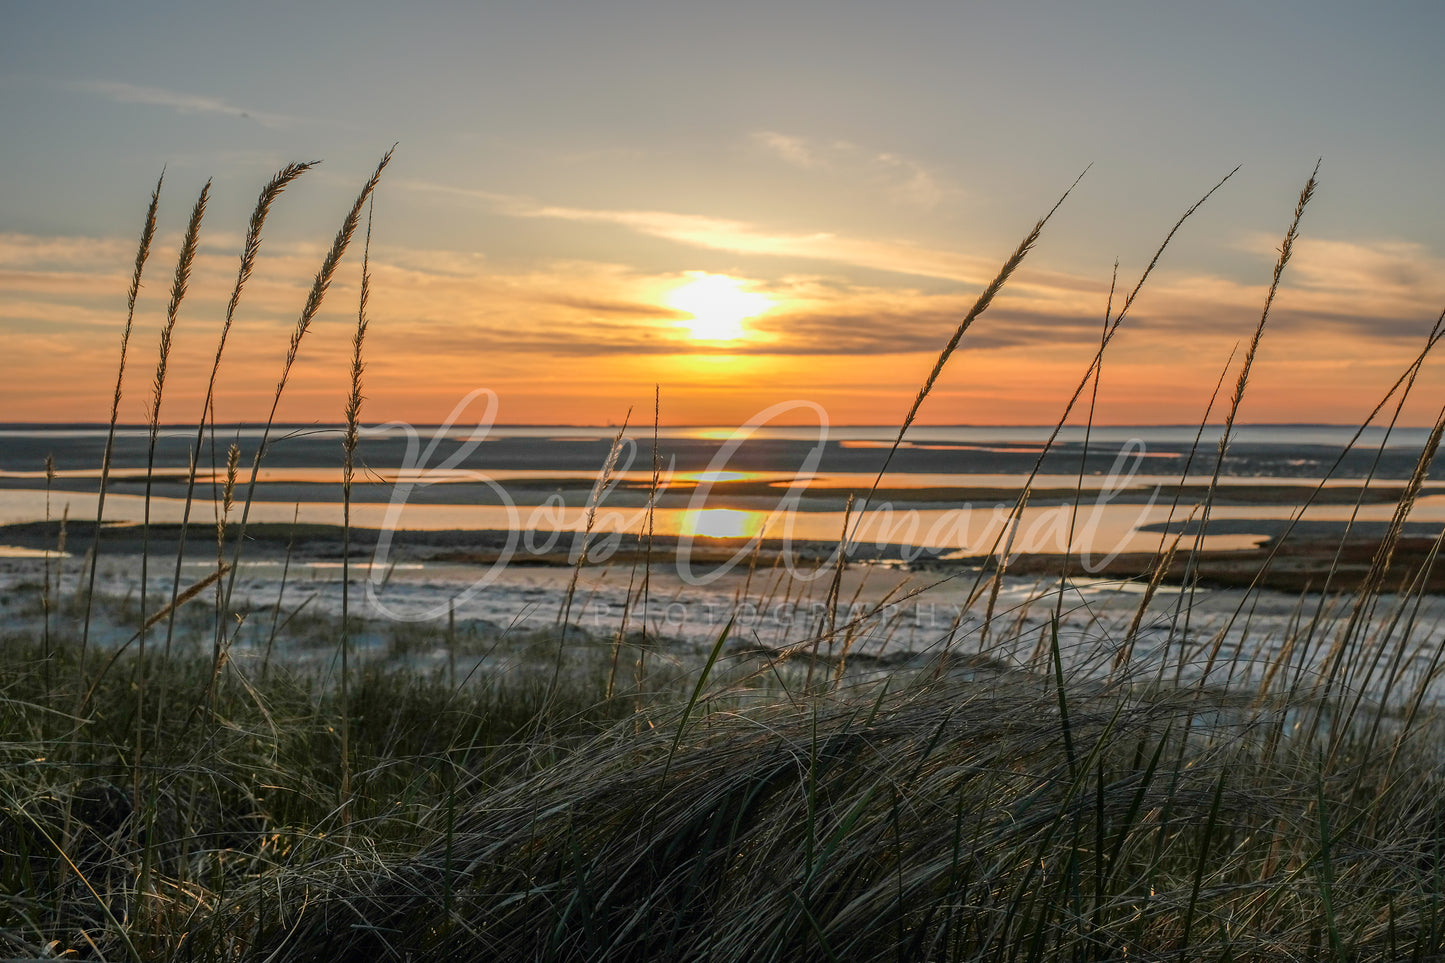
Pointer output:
x,y
1005,795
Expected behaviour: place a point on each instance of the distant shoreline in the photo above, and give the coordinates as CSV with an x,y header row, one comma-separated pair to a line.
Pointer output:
x,y
1300,565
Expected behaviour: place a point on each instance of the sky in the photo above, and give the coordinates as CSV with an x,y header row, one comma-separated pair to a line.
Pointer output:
x,y
736,205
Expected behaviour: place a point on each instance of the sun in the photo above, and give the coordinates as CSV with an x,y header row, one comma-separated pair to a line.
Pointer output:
x,y
718,304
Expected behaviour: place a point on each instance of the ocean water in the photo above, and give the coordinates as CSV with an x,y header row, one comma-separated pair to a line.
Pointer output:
x,y
946,488
947,492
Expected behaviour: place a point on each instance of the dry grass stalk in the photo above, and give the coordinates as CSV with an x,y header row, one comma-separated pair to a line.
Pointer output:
x,y
280,596
1174,508
1286,249
1068,552
191,591
1113,329
190,244
228,491
979,307
1000,567
1156,578
1344,646
314,299
45,598
184,261
828,621
652,490
348,444
223,519
1403,384
250,250
1413,600
599,489
179,283
148,233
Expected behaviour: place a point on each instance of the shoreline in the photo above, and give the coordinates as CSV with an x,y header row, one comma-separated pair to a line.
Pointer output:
x,y
1299,563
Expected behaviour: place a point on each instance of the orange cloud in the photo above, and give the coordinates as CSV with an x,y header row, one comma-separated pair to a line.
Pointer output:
x,y
569,341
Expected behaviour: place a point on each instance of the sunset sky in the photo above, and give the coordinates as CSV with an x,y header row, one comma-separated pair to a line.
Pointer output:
x,y
744,203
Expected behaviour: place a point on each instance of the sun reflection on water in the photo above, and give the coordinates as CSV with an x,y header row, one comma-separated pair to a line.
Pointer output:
x,y
698,477
722,523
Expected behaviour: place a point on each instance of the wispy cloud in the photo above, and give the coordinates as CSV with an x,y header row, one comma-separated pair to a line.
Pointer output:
x,y
793,150
740,237
183,103
889,172
1392,269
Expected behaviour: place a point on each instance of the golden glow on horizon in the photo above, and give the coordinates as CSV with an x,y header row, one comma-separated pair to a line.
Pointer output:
x,y
718,304
722,523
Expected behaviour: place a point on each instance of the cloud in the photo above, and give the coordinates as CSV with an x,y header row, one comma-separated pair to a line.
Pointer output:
x,y
913,183
1362,278
17,314
183,103
38,251
740,237
631,309
792,150
1327,264
887,172
1371,289
449,305
539,312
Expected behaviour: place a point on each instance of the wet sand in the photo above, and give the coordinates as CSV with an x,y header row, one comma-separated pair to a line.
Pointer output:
x,y
1301,561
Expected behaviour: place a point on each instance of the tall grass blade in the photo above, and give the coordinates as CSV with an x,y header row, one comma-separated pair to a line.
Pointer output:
x,y
697,690
303,324
348,472
250,251
147,234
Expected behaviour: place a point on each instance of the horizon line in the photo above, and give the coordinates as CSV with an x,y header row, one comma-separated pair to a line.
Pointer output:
x,y
130,426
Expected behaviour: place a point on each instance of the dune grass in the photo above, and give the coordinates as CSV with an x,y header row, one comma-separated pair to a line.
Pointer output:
x,y
1081,802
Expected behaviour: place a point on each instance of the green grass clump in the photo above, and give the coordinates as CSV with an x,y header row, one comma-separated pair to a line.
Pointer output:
x,y
237,772
945,820
932,817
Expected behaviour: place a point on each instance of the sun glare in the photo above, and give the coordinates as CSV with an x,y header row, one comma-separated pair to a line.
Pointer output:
x,y
718,304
